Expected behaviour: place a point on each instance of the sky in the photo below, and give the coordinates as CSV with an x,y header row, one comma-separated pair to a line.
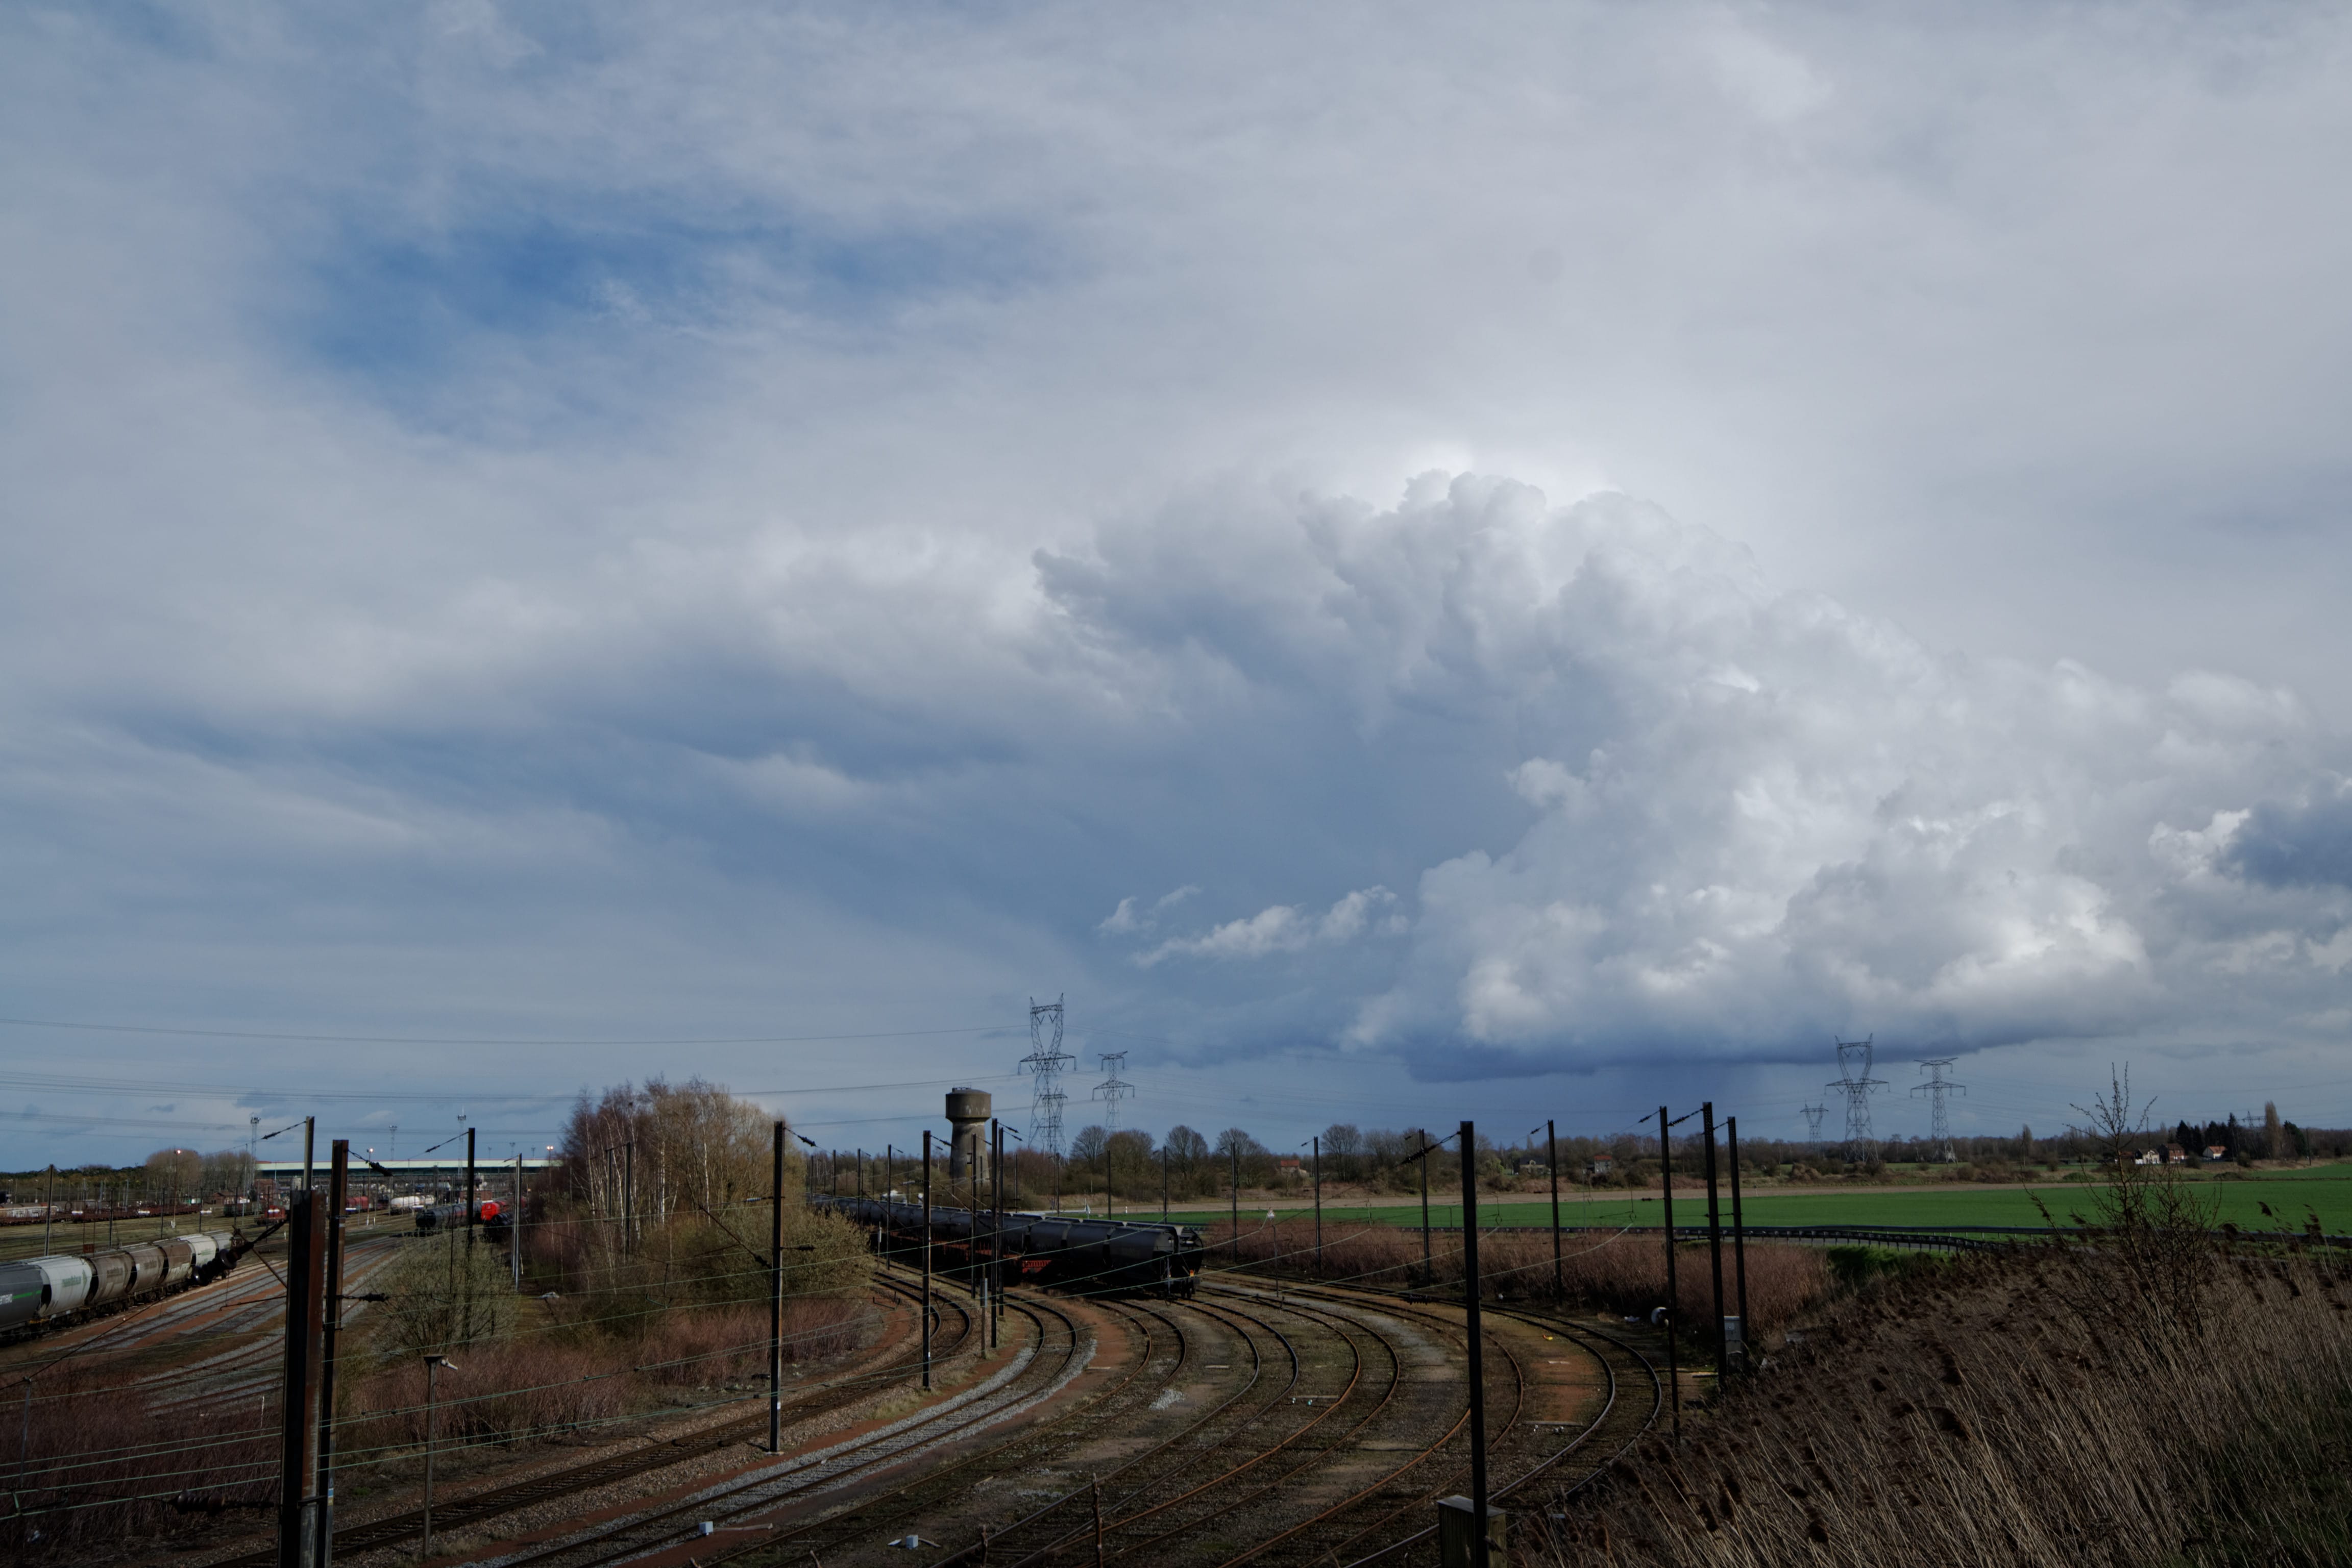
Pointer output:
x,y
1518,563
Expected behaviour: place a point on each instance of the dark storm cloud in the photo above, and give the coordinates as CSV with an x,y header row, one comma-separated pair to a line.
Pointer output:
x,y
2299,846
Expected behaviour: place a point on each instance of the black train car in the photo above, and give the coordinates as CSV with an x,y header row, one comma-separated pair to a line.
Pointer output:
x,y
1091,1257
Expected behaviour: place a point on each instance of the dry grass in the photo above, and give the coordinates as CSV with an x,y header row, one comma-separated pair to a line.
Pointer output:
x,y
1971,1416
1624,1275
99,1464
511,1390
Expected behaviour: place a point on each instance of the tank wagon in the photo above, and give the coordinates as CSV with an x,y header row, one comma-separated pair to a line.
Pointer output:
x,y
492,1214
1091,1257
36,1290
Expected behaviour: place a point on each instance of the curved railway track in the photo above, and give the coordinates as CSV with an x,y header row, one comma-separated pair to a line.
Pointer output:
x,y
820,1477
1038,1535
802,1405
1374,1518
1348,1420
1633,1397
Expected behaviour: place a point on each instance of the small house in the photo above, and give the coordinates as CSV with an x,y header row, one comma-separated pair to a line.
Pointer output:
x,y
2174,1155
1534,1168
2215,1151
2150,1157
1600,1165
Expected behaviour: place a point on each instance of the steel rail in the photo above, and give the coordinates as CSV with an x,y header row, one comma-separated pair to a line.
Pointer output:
x,y
1648,1418
994,1542
1010,1397
1427,1452
1281,1447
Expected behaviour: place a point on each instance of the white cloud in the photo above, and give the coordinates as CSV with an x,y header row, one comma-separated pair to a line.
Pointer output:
x,y
1280,928
1127,919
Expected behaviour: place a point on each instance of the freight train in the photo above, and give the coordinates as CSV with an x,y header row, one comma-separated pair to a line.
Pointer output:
x,y
440,1216
1092,1256
36,1290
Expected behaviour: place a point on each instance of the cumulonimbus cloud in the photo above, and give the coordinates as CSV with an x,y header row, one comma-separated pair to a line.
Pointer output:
x,y
1751,819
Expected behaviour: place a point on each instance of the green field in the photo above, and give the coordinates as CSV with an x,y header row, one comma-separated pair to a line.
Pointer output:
x,y
2327,1189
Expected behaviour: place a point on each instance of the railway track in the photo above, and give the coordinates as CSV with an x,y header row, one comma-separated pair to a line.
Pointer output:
x,y
821,1495
461,1513
1158,1509
1146,1475
1273,1471
1633,1397
1346,1421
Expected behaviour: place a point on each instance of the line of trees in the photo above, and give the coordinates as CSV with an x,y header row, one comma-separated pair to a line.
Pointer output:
x,y
1132,1164
167,1173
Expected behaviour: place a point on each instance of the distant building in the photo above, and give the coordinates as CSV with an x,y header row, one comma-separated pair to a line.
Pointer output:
x,y
1287,1164
1600,1165
1534,1168
2174,1155
2215,1151
2150,1157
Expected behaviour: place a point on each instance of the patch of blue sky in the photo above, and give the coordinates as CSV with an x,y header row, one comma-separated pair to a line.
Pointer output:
x,y
418,315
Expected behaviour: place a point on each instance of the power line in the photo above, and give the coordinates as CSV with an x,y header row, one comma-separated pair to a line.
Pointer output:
x,y
451,1040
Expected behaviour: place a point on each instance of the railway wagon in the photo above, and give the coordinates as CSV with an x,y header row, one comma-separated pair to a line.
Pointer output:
x,y
34,1290
1091,1257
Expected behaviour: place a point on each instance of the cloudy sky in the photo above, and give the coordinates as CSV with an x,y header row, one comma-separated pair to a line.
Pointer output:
x,y
1507,563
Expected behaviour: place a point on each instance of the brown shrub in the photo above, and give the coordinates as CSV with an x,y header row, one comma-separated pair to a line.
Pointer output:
x,y
547,1382
1969,1416
1620,1274
96,1463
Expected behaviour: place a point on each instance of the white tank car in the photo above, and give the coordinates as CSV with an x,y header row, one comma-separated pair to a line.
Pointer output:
x,y
69,1280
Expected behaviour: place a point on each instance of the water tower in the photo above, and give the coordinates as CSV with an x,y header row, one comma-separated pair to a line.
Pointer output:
x,y
968,1113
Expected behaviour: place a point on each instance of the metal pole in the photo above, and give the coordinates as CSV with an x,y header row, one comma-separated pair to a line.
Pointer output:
x,y
469,1198
432,1368
861,1173
927,1261
49,1207
1715,1246
1666,1180
1477,1351
296,1469
1551,1158
776,1302
996,1235
310,1132
1235,1150
339,1172
1163,1184
1428,1271
1738,1233
628,1187
1318,1201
